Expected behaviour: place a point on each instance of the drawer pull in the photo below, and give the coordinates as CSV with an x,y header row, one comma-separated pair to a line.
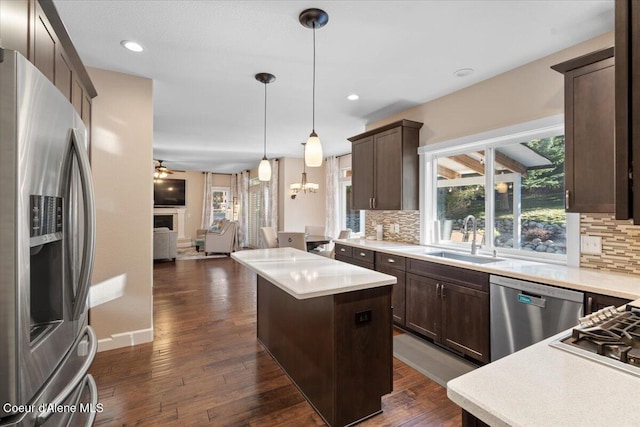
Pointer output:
x,y
343,250
391,260
363,254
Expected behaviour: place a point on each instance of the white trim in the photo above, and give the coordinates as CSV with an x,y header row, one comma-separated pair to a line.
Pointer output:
x,y
541,128
126,339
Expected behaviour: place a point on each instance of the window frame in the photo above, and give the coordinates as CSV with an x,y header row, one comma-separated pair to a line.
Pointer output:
x,y
226,190
489,141
346,181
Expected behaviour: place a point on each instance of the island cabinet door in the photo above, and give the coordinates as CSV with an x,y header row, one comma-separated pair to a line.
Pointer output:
x,y
465,320
423,305
364,352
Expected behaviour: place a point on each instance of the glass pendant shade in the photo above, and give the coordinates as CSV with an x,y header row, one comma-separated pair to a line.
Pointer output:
x,y
264,170
313,151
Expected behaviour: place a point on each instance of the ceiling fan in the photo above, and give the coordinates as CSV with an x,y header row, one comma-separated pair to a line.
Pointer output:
x,y
161,170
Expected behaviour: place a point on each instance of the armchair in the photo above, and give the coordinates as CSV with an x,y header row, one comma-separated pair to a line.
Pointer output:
x,y
222,241
165,243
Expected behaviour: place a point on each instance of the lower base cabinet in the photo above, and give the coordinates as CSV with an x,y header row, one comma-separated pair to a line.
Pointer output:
x,y
594,302
451,314
398,293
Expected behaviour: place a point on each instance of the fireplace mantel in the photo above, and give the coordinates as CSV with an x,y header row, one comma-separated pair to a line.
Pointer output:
x,y
178,222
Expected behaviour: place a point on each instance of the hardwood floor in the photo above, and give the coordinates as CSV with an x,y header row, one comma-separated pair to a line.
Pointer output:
x,y
206,367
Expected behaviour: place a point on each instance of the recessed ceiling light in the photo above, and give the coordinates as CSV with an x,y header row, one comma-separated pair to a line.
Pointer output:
x,y
353,97
131,45
463,72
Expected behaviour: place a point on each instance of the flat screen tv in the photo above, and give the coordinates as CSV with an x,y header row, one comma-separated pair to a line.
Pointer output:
x,y
169,192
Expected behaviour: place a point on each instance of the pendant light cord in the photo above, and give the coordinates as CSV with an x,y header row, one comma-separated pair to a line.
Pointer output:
x,y
313,115
265,121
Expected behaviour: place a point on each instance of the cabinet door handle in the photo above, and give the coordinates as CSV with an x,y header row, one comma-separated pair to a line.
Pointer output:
x,y
567,196
437,290
589,305
442,291
370,203
391,260
363,254
374,203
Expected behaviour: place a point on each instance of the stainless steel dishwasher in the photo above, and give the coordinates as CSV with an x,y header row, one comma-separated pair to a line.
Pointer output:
x,y
523,313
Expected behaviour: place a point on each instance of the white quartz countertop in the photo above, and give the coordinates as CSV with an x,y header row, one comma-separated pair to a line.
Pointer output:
x,y
546,386
582,279
305,275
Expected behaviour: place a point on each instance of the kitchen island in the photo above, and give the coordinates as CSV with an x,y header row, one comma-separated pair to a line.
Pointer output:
x,y
329,326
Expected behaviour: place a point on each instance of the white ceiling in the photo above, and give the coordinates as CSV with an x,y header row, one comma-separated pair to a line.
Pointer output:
x,y
203,55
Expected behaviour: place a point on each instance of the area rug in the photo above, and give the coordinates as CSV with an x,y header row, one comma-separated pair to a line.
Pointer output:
x,y
431,361
191,253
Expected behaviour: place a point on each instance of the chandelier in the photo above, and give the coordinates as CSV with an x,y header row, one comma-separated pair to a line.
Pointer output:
x,y
303,186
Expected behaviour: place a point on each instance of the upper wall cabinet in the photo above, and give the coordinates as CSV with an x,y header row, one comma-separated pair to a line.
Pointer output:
x,y
35,29
589,97
385,167
627,94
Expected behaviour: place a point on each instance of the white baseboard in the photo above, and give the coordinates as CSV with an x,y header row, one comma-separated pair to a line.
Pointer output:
x,y
126,339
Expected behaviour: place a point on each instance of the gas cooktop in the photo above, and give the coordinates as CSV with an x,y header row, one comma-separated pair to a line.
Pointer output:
x,y
609,336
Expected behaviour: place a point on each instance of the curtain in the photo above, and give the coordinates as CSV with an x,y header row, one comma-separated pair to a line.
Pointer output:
x,y
332,183
240,184
269,209
207,201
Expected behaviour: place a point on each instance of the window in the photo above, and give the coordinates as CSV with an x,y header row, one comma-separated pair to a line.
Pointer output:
x,y
220,203
349,217
524,210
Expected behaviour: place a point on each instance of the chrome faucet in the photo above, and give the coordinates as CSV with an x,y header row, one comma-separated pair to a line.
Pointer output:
x,y
474,223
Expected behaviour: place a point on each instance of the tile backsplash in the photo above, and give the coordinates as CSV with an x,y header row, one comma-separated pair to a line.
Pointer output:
x,y
620,243
409,222
620,238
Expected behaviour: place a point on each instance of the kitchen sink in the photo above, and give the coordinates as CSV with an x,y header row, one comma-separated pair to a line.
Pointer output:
x,y
474,259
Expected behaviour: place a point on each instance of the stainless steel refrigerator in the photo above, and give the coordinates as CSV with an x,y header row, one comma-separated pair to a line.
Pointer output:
x,y
47,230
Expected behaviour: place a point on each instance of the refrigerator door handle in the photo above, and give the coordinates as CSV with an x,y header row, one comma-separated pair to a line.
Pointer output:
x,y
88,250
77,379
93,388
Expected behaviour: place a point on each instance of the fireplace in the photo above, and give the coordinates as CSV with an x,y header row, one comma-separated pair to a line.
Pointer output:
x,y
163,221
174,219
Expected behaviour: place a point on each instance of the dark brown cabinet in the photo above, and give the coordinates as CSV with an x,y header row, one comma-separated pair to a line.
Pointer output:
x,y
394,265
449,305
594,302
423,306
361,257
385,167
589,132
34,28
627,105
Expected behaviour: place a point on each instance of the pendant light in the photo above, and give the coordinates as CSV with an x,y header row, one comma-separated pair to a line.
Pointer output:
x,y
313,18
264,170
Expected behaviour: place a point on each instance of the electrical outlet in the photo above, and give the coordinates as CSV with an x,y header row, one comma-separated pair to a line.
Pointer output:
x,y
591,245
396,228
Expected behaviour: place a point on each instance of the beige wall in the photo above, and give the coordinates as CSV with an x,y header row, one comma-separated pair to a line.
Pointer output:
x,y
526,93
121,149
305,209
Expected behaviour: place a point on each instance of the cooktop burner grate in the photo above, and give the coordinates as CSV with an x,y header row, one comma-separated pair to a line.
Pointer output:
x,y
612,338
